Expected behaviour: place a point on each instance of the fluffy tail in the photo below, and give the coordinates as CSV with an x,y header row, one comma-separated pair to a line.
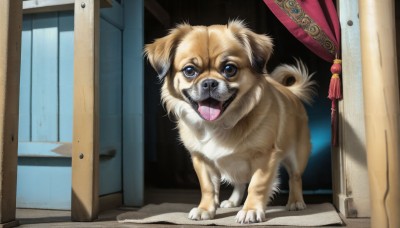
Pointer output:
x,y
297,79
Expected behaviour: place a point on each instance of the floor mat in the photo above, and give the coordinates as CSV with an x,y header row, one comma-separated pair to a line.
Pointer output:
x,y
174,213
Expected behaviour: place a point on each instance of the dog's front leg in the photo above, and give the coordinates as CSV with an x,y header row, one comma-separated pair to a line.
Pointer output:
x,y
236,198
264,170
209,182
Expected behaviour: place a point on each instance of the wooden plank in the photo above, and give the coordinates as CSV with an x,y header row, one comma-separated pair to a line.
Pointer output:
x,y
85,149
24,131
111,201
66,74
382,111
44,183
158,12
133,111
45,149
45,78
10,46
114,15
45,6
350,172
110,173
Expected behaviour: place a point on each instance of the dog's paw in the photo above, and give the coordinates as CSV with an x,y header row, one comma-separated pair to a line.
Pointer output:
x,y
296,206
250,216
201,214
228,204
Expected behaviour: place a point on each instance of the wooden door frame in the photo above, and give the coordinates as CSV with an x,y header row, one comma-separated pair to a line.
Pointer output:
x,y
10,60
85,144
381,109
85,159
370,113
133,103
382,17
350,185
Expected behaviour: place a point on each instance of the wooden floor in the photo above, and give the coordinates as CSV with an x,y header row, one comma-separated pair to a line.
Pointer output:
x,y
54,218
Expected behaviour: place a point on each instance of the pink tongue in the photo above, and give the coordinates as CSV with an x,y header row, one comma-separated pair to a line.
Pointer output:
x,y
210,109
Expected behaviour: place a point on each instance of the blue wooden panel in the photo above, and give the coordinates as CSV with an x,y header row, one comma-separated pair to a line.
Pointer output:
x,y
44,173
113,15
110,107
133,162
45,77
66,75
133,112
44,183
43,149
44,166
24,132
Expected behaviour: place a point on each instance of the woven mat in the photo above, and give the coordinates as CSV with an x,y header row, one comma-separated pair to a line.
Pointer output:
x,y
174,213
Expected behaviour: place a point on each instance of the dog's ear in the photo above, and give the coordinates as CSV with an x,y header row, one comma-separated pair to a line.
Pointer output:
x,y
258,47
161,52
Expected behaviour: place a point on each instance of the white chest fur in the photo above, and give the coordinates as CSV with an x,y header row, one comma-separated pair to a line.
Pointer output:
x,y
233,164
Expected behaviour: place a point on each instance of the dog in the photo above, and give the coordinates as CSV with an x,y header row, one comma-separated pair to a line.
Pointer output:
x,y
238,122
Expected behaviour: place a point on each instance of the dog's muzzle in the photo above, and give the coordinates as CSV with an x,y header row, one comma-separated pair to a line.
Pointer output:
x,y
210,98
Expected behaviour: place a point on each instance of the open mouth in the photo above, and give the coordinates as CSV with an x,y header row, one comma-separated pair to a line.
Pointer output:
x,y
211,109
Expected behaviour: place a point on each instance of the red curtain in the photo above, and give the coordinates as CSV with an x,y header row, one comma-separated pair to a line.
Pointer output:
x,y
315,23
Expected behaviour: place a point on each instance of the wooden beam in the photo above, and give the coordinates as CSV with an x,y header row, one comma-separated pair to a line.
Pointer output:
x,y
382,111
10,59
133,112
44,6
349,161
85,146
158,12
110,201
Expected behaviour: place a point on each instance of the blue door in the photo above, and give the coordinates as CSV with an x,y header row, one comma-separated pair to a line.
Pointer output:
x,y
46,101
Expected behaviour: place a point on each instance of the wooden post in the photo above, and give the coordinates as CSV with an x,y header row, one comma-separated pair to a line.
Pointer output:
x,y
133,113
381,105
10,58
349,161
85,149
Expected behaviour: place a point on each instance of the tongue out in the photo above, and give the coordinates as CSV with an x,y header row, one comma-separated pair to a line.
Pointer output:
x,y
210,109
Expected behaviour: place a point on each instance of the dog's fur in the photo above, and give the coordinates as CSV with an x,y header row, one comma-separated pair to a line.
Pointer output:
x,y
263,125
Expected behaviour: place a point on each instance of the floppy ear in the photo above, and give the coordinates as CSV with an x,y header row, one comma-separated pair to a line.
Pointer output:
x,y
161,52
258,47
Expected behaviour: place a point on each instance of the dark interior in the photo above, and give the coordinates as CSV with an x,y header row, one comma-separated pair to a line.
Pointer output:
x,y
167,162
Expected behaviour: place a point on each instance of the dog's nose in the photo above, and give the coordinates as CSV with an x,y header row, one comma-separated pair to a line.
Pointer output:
x,y
209,84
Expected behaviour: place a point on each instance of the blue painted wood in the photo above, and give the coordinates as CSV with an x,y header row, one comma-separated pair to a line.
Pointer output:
x,y
45,77
133,112
110,107
44,172
46,183
44,167
66,75
114,15
24,130
44,149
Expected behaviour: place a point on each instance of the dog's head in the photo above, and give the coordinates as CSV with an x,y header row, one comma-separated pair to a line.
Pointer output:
x,y
212,70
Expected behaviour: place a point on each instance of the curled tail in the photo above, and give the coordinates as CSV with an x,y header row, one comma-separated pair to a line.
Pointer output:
x,y
297,79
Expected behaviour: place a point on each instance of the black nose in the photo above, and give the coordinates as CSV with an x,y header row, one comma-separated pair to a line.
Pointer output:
x,y
209,84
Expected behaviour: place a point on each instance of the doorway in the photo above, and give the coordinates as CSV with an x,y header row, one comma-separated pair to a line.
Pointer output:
x,y
167,163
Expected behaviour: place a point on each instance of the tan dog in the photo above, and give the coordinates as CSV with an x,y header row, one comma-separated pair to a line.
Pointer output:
x,y
237,122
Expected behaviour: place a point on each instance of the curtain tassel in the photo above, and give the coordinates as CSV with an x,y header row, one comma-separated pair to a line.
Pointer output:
x,y
335,91
335,94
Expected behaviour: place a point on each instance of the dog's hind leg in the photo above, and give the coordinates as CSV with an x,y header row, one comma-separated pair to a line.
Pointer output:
x,y
236,198
295,164
295,201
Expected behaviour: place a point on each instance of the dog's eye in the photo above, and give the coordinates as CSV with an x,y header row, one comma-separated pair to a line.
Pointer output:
x,y
229,70
190,72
